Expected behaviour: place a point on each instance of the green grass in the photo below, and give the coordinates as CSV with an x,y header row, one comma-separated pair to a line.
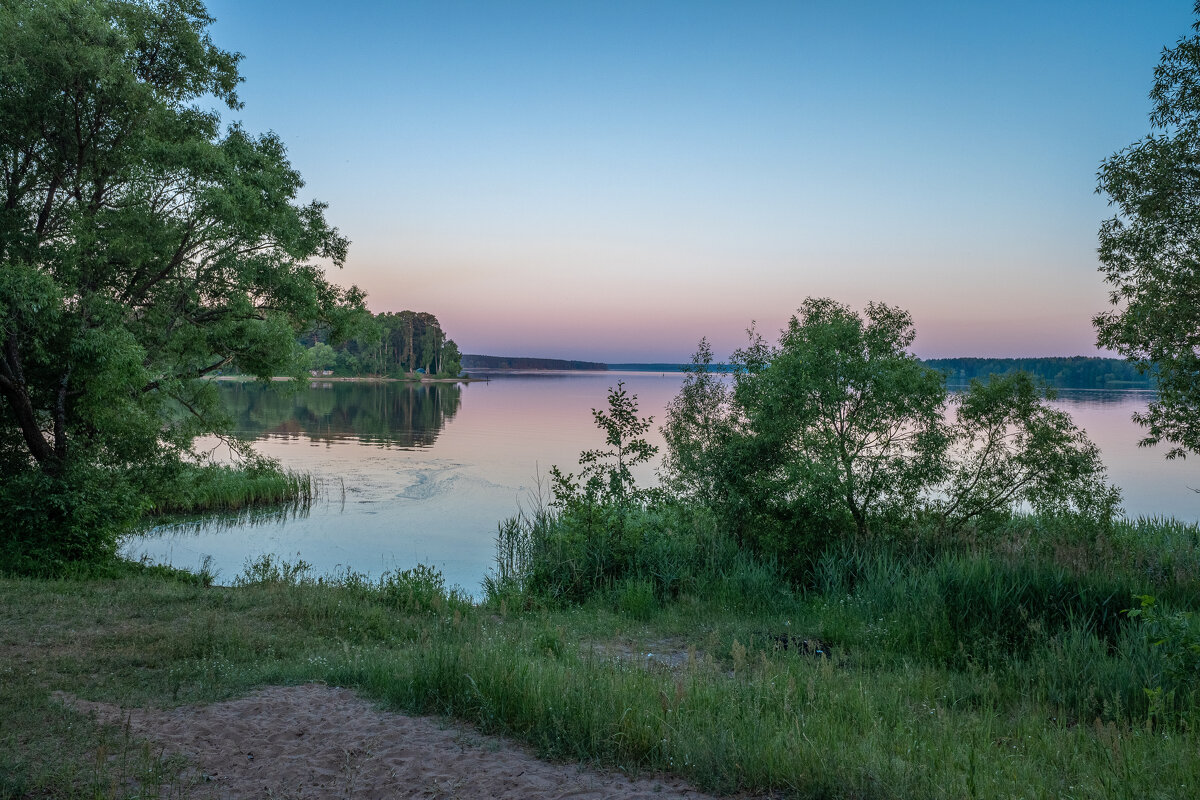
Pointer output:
x,y
196,489
694,682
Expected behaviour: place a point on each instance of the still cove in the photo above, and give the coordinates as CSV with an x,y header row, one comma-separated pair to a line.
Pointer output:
x,y
413,474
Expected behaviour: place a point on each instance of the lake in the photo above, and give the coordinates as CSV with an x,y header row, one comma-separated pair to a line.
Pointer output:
x,y
422,473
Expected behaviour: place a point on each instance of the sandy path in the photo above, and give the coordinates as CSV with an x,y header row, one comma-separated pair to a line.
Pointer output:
x,y
315,741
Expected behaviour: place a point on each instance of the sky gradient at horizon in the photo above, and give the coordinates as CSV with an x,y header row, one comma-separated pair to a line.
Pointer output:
x,y
611,181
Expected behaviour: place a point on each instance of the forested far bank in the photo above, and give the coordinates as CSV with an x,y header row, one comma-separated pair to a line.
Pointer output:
x,y
409,343
1069,372
474,361
392,344
1075,372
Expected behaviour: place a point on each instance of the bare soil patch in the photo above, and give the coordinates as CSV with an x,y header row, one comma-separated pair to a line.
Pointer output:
x,y
316,741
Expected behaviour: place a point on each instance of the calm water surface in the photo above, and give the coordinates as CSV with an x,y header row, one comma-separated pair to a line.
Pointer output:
x,y
422,474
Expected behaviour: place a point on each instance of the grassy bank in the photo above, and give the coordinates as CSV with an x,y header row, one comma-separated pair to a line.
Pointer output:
x,y
901,671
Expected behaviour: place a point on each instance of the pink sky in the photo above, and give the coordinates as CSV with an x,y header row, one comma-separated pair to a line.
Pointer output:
x,y
613,180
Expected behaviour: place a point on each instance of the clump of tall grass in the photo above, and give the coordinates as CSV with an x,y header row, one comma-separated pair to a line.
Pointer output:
x,y
421,589
1147,551
271,570
961,605
635,555
198,488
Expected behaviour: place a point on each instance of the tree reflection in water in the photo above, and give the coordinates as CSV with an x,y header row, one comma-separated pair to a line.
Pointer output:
x,y
388,414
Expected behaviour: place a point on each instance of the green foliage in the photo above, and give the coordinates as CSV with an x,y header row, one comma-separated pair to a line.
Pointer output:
x,y
606,477
698,430
832,430
838,430
393,344
1148,250
75,515
322,357
1008,447
1175,637
141,248
843,416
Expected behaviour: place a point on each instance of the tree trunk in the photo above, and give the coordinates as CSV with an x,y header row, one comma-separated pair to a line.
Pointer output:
x,y
12,386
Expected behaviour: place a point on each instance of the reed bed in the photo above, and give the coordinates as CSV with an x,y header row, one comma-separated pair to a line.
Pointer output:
x,y
212,487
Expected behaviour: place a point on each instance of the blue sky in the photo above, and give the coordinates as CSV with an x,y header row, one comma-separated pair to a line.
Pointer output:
x,y
614,180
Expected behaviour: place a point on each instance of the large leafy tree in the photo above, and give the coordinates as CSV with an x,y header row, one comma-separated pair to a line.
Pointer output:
x,y
837,429
1150,250
142,246
843,416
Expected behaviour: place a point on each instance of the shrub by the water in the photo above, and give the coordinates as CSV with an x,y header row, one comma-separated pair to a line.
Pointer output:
x,y
54,523
75,516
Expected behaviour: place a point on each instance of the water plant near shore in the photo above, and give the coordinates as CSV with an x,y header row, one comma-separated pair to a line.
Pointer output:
x,y
195,489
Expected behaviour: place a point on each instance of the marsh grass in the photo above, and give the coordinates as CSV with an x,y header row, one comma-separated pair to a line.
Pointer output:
x,y
843,691
194,489
1039,602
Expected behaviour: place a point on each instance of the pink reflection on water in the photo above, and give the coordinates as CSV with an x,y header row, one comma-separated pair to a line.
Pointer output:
x,y
438,502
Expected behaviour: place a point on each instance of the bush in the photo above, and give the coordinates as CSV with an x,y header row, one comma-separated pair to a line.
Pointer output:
x,y
50,522
1172,693
602,531
419,590
838,431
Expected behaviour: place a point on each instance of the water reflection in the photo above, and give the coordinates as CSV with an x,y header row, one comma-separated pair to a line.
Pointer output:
x,y
1151,485
1071,398
388,414
388,498
223,521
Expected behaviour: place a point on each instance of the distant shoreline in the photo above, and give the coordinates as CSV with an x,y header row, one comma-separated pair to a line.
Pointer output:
x,y
1075,372
350,379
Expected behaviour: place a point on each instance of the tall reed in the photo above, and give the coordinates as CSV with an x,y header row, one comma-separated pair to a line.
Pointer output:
x,y
212,487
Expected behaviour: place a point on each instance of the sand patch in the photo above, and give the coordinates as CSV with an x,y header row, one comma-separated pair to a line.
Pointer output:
x,y
315,741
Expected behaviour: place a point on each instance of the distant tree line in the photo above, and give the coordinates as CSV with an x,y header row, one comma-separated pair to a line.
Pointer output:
x,y
390,344
471,361
1078,372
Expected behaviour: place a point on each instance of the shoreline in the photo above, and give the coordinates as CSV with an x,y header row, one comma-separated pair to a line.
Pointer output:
x,y
349,379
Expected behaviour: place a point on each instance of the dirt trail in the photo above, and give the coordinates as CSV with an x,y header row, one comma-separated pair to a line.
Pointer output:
x,y
315,741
